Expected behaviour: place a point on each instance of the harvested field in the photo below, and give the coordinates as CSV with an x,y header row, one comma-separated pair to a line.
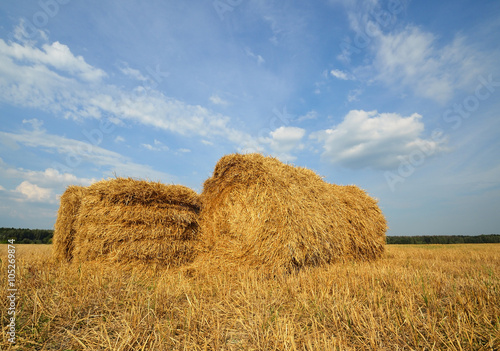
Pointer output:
x,y
441,297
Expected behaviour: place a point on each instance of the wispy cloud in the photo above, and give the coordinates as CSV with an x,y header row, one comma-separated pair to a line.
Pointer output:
x,y
354,94
158,146
408,57
340,74
217,100
131,72
42,86
413,58
22,34
79,152
311,115
259,59
183,151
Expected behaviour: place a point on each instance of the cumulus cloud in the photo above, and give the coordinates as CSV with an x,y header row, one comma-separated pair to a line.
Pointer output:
x,y
284,140
375,140
33,192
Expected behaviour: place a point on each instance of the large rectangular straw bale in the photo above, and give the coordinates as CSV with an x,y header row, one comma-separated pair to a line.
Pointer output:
x,y
260,212
64,228
135,221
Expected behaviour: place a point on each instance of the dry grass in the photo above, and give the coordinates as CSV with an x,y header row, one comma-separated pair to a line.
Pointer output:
x,y
413,298
262,213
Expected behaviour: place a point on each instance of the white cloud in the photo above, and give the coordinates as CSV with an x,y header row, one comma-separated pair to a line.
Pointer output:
x,y
409,57
217,100
284,140
75,153
354,94
260,60
55,55
159,111
2,188
31,77
413,59
308,116
340,74
149,147
50,177
158,146
21,33
35,123
119,139
376,140
358,12
131,72
33,192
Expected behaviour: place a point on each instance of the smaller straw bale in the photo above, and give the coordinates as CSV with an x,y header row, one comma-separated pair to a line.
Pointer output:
x,y
64,228
136,221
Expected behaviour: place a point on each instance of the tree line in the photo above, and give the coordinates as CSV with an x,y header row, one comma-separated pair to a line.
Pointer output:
x,y
445,239
26,236
44,236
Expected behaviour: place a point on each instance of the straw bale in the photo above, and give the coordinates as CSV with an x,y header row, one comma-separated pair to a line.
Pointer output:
x,y
136,221
260,212
364,222
64,228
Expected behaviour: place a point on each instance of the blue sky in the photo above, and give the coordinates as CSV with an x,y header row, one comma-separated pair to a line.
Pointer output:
x,y
399,97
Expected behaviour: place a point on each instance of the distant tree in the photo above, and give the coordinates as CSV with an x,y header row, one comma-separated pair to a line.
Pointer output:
x,y
444,239
26,236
